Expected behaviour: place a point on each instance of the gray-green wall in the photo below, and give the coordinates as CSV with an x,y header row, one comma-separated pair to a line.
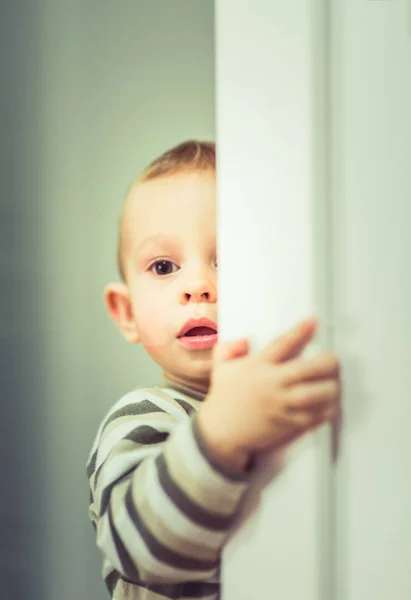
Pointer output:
x,y
91,92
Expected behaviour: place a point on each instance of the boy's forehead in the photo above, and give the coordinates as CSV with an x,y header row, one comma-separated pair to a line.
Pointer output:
x,y
158,202
164,193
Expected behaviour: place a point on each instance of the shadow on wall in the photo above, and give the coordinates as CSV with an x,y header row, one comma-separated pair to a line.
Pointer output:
x,y
81,117
22,522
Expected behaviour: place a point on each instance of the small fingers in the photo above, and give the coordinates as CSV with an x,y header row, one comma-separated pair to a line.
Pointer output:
x,y
325,365
314,417
291,343
313,395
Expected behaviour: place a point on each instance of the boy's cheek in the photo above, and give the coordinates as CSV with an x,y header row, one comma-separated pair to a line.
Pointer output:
x,y
155,333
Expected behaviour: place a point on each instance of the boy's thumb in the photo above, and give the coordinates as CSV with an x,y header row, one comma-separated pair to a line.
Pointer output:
x,y
223,351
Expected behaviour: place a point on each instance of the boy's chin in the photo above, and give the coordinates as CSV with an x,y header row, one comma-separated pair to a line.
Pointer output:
x,y
198,367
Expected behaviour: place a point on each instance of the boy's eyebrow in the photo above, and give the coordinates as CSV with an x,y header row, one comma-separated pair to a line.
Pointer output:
x,y
157,239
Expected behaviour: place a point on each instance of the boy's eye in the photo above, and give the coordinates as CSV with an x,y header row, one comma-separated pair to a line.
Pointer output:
x,y
162,267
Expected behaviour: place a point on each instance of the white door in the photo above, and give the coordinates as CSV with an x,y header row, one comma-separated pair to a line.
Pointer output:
x,y
314,136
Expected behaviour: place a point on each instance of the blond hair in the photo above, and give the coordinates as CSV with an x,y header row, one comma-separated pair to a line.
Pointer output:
x,y
192,155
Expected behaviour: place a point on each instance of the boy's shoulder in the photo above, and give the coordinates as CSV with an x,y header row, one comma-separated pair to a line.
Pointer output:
x,y
140,404
146,399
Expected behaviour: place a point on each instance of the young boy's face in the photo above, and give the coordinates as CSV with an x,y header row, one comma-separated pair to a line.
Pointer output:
x,y
170,264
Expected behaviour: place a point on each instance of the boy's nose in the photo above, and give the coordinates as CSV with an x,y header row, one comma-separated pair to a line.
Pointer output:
x,y
199,291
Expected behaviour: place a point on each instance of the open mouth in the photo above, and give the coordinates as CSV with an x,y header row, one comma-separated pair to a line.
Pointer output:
x,y
199,331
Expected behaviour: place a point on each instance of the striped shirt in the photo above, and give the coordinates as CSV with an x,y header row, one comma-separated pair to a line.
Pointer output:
x,y
161,504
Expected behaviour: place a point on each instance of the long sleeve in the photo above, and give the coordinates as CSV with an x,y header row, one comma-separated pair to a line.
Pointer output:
x,y
160,503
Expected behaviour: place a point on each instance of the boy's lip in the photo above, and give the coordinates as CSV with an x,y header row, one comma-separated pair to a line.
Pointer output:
x,y
191,323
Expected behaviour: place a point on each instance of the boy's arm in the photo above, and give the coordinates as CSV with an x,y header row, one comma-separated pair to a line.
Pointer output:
x,y
162,505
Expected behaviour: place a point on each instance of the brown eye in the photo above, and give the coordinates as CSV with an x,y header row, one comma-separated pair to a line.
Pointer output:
x,y
162,267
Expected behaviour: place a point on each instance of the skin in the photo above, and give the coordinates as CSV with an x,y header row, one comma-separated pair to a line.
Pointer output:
x,y
156,300
258,403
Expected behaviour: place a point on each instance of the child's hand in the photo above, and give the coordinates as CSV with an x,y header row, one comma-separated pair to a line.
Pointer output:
x,y
263,401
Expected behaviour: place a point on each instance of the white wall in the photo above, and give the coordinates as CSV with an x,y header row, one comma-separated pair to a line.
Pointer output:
x,y
372,291
314,131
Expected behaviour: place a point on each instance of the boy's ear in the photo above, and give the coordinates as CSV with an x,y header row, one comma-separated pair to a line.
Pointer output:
x,y
118,304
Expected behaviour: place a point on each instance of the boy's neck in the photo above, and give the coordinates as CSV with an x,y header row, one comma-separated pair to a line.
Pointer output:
x,y
197,390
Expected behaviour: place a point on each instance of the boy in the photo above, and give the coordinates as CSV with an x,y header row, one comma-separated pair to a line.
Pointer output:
x,y
170,464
